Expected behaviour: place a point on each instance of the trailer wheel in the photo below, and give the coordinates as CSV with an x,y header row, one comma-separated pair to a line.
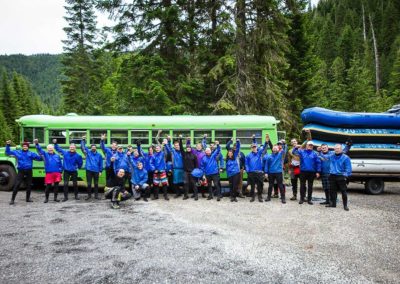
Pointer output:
x,y
7,177
374,186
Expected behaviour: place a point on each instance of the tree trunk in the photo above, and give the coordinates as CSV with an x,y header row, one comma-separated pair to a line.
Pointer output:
x,y
363,19
240,20
377,68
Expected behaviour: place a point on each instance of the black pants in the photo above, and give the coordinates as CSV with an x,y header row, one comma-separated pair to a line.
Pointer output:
x,y
114,192
189,184
110,174
95,177
47,190
23,175
234,182
67,176
278,177
306,177
337,183
293,181
256,178
216,180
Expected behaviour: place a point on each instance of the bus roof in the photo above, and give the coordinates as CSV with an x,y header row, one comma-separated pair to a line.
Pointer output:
x,y
149,122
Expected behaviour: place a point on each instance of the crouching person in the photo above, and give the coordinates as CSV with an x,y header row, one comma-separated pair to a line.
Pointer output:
x,y
117,192
139,178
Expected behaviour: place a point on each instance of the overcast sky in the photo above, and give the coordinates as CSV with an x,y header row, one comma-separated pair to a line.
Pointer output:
x,y
34,26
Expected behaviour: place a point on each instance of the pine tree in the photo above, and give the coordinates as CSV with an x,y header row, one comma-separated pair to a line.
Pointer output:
x,y
78,87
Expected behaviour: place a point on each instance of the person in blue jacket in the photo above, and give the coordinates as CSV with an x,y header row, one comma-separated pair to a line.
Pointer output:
x,y
147,165
72,161
25,160
310,168
139,177
254,169
94,168
53,168
209,165
177,163
274,171
339,172
109,153
158,163
242,162
233,170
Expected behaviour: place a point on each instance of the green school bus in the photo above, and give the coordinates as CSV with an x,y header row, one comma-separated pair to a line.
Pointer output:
x,y
126,130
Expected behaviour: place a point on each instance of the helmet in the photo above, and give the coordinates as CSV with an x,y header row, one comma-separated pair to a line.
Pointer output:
x,y
197,173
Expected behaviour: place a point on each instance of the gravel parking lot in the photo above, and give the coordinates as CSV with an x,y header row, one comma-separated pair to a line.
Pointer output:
x,y
201,242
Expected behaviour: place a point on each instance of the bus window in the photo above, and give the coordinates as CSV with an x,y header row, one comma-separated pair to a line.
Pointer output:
x,y
163,135
60,135
31,133
185,134
223,135
245,136
75,136
199,134
142,135
95,136
121,136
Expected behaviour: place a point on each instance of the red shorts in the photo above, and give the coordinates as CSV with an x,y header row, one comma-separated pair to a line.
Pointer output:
x,y
52,178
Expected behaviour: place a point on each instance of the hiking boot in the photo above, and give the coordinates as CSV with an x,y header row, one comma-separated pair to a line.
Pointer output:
x,y
346,208
29,200
241,195
252,199
145,199
185,197
310,202
283,201
56,200
115,206
12,202
268,199
166,198
260,199
275,196
46,200
324,203
65,199
218,198
294,197
330,205
210,197
301,201
196,198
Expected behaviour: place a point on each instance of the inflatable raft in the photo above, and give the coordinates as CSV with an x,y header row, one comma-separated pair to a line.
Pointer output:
x,y
374,166
351,119
368,151
357,135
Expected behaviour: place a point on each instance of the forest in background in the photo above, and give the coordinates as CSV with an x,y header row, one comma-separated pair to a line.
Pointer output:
x,y
221,57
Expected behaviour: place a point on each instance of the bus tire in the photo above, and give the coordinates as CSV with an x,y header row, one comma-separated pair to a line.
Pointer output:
x,y
7,177
375,186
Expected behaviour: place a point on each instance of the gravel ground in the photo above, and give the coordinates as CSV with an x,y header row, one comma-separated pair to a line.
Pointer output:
x,y
201,242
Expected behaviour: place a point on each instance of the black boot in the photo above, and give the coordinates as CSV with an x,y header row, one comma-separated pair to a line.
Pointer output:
x,y
165,193
156,190
47,193
55,197
283,199
76,197
28,196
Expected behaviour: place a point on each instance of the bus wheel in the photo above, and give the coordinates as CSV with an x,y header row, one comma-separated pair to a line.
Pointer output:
x,y
374,186
7,177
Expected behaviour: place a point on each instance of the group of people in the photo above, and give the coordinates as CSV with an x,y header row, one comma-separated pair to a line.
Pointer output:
x,y
171,165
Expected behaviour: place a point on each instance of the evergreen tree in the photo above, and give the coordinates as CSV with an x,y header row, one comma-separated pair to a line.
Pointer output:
x,y
79,86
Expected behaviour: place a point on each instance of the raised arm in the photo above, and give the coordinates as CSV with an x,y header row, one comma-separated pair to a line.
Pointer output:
x,y
58,148
9,152
84,149
204,142
103,147
237,151
228,145
38,148
217,151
